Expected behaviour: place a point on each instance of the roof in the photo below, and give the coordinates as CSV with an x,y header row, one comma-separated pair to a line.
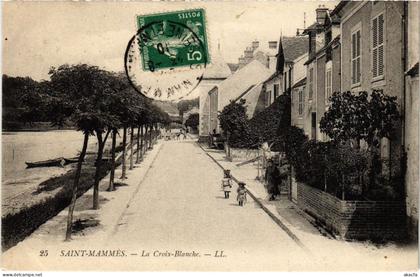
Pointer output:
x,y
217,69
253,99
413,71
294,47
243,93
233,67
314,26
335,41
274,75
300,83
339,7
242,80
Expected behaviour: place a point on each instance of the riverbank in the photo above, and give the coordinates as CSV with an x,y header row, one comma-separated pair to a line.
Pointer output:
x,y
30,209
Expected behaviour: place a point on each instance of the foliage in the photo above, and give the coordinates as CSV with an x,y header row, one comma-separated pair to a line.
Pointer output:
x,y
356,117
186,105
267,126
292,143
273,122
23,100
81,93
234,123
193,121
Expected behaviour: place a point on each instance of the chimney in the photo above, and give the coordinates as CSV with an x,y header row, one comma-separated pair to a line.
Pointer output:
x,y
321,14
248,53
272,44
255,44
241,61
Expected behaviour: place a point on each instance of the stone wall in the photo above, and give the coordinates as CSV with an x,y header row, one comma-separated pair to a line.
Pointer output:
x,y
240,155
354,219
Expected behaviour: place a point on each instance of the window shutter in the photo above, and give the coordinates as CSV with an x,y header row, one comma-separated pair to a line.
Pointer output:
x,y
375,62
380,60
353,72
380,29
378,46
375,32
358,43
353,42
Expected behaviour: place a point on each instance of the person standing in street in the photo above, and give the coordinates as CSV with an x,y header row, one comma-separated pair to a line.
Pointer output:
x,y
241,198
227,183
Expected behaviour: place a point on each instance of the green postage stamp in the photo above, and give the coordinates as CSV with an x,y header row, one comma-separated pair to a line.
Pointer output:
x,y
173,39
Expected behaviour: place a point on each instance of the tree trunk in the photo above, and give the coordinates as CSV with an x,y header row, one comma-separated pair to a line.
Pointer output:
x,y
138,144
101,145
112,174
76,186
131,148
150,137
123,166
146,129
141,141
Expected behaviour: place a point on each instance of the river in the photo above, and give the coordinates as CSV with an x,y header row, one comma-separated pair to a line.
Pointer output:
x,y
19,147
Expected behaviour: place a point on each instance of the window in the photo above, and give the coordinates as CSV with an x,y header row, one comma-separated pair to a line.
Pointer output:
x,y
285,81
301,101
276,90
355,57
328,82
310,83
268,98
378,46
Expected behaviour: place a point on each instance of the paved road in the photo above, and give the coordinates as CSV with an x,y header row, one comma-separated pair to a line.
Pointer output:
x,y
179,206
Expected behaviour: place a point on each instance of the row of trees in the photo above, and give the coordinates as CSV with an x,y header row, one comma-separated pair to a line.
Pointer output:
x,y
98,103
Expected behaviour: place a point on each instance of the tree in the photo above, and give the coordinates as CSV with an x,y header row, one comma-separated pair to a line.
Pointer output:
x,y
186,105
359,117
79,93
356,117
193,121
233,121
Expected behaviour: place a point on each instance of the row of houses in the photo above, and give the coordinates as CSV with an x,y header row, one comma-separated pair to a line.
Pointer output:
x,y
357,46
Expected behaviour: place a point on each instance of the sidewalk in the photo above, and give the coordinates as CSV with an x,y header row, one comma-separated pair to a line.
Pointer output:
x,y
295,223
284,212
98,224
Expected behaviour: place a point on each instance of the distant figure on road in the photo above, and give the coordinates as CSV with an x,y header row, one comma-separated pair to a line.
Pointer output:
x,y
227,183
241,194
182,132
272,178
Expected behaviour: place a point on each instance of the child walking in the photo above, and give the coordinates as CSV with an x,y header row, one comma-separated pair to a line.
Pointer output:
x,y
227,183
241,194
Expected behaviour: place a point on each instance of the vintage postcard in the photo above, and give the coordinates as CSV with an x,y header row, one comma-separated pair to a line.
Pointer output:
x,y
210,136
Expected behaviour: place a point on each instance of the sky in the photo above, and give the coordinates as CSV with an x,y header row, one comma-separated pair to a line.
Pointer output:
x,y
39,35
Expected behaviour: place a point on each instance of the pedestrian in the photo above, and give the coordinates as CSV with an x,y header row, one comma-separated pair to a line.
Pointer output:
x,y
272,178
241,194
227,183
284,170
